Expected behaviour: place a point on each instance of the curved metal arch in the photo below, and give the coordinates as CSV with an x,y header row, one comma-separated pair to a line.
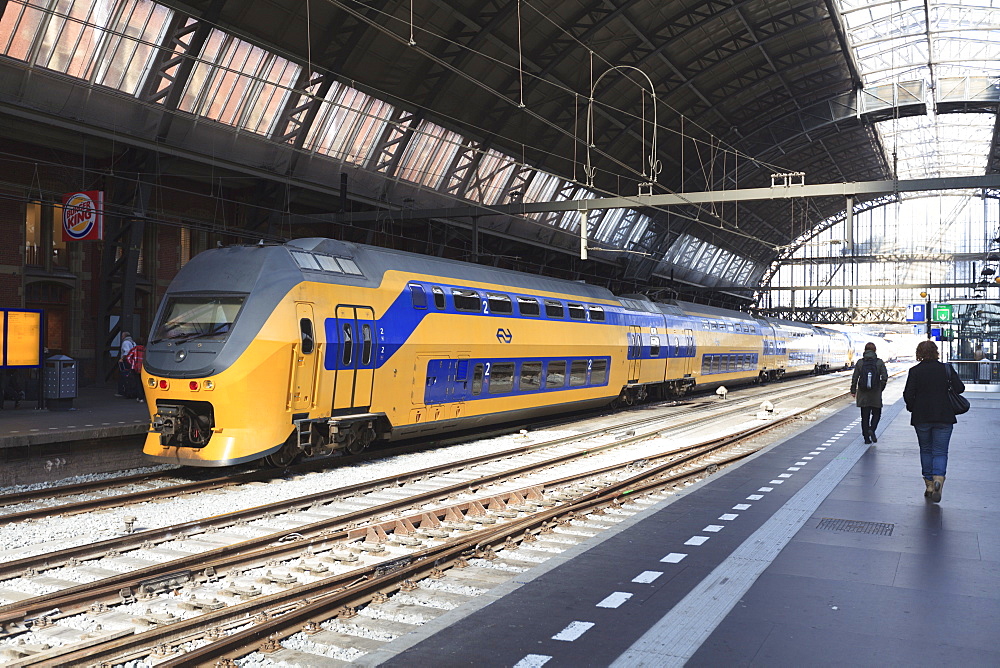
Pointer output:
x,y
790,249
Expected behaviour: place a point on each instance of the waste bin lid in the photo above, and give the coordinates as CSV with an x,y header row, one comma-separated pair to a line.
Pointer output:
x,y
58,358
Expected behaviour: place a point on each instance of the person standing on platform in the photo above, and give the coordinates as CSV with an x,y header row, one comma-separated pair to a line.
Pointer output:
x,y
867,383
931,414
134,359
124,369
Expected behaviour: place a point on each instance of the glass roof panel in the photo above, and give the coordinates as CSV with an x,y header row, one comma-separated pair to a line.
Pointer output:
x,y
928,41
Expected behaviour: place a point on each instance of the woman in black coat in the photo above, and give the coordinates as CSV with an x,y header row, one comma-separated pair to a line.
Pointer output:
x,y
926,397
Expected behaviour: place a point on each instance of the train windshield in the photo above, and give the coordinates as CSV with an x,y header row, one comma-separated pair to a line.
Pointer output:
x,y
197,317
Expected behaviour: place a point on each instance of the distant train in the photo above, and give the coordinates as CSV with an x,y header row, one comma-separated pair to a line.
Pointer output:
x,y
316,345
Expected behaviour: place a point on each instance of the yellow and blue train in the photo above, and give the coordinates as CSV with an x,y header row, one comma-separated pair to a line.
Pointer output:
x,y
316,345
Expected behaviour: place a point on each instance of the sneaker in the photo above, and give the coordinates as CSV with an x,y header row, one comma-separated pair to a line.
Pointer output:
x,y
141,401
874,438
868,441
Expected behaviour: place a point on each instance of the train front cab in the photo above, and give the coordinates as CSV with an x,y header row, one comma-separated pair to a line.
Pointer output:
x,y
232,413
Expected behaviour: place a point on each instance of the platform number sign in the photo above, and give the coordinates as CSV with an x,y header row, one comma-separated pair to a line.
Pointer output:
x,y
915,313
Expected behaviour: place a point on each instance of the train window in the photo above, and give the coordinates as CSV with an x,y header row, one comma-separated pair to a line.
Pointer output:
x,y
596,313
438,297
715,325
499,303
576,311
528,306
305,260
716,363
654,346
578,373
553,309
418,296
349,266
465,300
306,334
706,364
502,378
599,372
555,375
531,376
477,379
328,263
347,352
366,344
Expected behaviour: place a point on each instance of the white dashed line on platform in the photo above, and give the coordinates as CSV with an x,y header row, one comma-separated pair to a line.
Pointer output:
x,y
714,528
696,540
615,600
732,516
532,661
673,557
647,576
573,631
765,489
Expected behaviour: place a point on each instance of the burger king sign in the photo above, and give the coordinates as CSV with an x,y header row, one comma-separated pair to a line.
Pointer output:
x,y
83,216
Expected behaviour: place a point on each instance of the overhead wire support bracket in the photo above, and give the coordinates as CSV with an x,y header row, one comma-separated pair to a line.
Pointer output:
x,y
651,167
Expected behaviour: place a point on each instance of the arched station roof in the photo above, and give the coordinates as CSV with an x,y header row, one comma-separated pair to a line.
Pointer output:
x,y
738,90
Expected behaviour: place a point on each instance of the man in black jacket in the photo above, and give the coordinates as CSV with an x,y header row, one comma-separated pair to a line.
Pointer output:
x,y
931,414
869,399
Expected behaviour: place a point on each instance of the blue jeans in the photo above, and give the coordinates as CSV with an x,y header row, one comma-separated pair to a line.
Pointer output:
x,y
933,439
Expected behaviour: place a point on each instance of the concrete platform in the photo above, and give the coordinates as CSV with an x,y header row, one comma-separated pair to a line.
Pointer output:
x,y
97,413
103,433
820,551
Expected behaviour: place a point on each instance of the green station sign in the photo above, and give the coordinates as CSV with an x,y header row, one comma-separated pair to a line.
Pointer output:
x,y
942,313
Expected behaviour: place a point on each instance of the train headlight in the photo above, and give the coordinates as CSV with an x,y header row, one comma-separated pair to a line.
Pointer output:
x,y
151,381
208,385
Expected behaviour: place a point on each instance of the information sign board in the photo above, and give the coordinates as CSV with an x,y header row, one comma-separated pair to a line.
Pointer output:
x,y
20,338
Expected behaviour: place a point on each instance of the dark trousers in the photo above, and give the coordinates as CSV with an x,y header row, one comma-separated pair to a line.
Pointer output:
x,y
124,379
870,415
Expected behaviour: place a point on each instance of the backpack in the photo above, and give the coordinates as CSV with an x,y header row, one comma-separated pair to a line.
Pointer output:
x,y
869,374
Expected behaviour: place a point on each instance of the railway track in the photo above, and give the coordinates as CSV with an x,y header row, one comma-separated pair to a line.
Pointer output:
x,y
262,561
144,487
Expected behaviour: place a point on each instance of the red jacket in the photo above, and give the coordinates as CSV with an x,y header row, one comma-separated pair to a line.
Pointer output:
x,y
135,357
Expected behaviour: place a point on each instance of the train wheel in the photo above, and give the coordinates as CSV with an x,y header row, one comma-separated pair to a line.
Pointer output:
x,y
285,456
359,439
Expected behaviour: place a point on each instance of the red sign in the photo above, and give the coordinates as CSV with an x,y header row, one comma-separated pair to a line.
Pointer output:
x,y
83,216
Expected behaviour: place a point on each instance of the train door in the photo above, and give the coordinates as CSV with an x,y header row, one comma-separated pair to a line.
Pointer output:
x,y
634,351
462,386
356,357
687,354
304,360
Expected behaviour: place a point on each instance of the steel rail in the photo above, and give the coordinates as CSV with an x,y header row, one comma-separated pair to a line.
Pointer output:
x,y
67,556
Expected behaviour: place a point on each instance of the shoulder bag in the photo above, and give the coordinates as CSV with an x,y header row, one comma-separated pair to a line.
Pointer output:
x,y
959,404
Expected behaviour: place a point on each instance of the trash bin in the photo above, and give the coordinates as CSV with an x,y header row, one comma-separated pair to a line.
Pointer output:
x,y
60,383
